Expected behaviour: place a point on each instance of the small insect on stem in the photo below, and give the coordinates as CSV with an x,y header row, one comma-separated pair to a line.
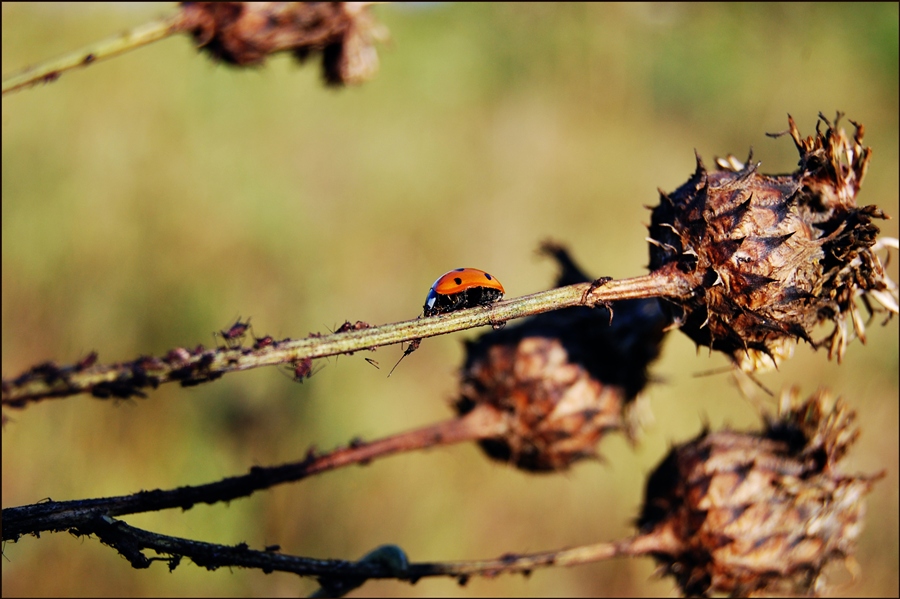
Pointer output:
x,y
87,361
302,369
462,288
261,342
234,337
596,284
357,326
413,346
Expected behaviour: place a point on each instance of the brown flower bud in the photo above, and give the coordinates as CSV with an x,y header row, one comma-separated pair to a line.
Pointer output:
x,y
561,379
771,257
745,513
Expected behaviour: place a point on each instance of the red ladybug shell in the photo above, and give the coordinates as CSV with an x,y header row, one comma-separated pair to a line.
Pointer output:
x,y
462,288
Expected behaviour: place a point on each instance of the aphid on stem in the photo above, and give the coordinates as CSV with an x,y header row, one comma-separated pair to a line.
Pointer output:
x,y
234,336
261,342
302,369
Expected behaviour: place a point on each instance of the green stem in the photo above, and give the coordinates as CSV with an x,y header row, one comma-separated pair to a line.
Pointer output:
x,y
51,70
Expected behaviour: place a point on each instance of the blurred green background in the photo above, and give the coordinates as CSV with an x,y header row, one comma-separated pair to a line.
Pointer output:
x,y
153,198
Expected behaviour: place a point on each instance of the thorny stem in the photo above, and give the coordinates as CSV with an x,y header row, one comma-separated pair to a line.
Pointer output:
x,y
95,517
126,379
131,542
482,422
139,36
655,542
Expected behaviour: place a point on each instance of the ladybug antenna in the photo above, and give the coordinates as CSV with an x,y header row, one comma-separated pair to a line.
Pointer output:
x,y
413,346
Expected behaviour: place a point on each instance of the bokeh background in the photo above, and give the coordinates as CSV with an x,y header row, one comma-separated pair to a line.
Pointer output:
x,y
156,197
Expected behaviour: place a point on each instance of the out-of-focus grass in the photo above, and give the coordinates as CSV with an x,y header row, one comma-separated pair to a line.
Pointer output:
x,y
153,198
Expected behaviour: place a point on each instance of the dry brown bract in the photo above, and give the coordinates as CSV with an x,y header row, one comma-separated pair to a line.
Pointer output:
x,y
772,257
564,379
750,513
245,33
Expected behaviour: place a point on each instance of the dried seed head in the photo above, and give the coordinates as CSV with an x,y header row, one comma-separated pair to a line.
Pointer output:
x,y
246,33
764,512
774,256
561,379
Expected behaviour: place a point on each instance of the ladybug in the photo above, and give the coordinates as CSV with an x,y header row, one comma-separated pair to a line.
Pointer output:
x,y
462,288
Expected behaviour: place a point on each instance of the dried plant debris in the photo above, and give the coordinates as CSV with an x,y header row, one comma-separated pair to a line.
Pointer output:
x,y
760,512
775,256
246,33
562,379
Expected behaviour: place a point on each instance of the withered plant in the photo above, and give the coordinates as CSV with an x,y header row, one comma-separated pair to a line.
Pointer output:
x,y
742,263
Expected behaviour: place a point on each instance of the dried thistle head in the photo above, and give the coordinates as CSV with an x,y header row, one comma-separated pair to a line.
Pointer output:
x,y
562,379
772,257
246,33
762,512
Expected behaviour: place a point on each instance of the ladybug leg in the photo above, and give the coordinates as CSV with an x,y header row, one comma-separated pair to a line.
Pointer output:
x,y
487,301
460,301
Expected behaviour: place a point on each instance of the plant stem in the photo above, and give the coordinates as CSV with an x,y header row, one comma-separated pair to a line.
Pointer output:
x,y
51,70
481,423
127,379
